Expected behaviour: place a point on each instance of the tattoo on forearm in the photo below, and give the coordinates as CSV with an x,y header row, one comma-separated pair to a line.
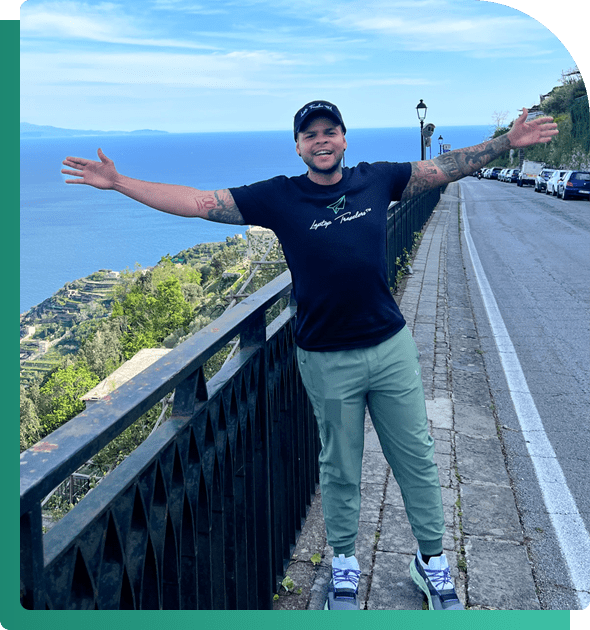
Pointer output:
x,y
461,162
222,208
454,165
204,204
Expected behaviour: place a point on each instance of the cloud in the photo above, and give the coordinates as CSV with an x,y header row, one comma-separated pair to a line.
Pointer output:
x,y
444,27
188,8
236,70
104,22
70,19
253,70
343,27
447,34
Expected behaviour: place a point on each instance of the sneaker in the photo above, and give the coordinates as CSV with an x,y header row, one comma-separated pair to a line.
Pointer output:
x,y
343,589
434,580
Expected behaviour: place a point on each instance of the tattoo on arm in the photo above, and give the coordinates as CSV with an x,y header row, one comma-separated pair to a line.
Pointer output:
x,y
457,164
422,179
219,206
454,165
204,204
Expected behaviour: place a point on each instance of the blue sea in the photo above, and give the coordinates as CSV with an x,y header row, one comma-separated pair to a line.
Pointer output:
x,y
68,232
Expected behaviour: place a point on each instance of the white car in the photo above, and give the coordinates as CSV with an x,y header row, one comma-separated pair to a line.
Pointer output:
x,y
541,179
552,182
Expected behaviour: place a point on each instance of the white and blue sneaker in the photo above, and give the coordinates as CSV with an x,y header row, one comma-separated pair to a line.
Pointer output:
x,y
435,581
343,589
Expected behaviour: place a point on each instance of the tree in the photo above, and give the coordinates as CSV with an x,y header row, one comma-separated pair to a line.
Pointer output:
x,y
167,268
171,309
148,316
560,99
192,292
60,395
499,119
30,427
102,350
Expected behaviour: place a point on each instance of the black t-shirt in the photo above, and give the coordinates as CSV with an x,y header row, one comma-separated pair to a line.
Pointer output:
x,y
334,240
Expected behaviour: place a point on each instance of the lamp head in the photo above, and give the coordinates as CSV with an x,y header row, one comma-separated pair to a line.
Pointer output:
x,y
421,110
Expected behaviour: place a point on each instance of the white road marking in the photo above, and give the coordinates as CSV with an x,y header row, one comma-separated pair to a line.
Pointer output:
x,y
572,535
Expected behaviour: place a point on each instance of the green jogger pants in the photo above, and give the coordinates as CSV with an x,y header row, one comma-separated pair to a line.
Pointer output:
x,y
387,379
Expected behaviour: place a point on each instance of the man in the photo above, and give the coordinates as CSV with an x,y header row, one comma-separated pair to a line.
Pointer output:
x,y
353,347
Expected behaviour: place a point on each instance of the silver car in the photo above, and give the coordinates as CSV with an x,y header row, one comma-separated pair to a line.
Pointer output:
x,y
552,182
541,179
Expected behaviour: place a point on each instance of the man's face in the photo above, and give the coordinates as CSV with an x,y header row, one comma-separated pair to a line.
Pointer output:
x,y
321,145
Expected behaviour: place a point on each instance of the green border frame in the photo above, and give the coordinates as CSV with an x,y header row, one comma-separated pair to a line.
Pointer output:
x,y
13,616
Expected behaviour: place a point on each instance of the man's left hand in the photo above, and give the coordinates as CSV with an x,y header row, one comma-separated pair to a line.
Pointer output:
x,y
536,131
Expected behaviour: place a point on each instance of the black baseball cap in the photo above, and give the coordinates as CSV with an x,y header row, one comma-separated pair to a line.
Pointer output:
x,y
317,108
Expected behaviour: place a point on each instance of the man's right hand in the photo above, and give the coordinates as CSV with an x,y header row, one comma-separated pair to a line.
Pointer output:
x,y
98,174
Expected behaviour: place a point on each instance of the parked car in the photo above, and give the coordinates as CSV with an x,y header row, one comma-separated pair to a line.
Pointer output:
x,y
551,188
494,172
514,175
529,171
541,179
574,184
507,175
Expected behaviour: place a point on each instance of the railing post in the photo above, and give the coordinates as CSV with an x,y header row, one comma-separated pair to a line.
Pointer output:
x,y
188,393
31,568
254,335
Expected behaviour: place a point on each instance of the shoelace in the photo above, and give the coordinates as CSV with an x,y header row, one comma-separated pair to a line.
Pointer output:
x,y
345,575
440,578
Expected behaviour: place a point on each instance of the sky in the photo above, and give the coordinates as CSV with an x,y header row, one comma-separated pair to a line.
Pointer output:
x,y
247,65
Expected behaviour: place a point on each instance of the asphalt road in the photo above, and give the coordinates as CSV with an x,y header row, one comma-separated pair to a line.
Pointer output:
x,y
535,253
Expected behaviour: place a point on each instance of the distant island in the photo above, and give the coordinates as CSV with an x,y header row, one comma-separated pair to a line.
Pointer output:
x,y
28,130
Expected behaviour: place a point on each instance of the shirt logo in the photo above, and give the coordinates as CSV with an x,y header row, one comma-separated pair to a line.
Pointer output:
x,y
338,205
343,218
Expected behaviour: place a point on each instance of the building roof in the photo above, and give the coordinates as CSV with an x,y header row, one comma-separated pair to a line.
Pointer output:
x,y
137,364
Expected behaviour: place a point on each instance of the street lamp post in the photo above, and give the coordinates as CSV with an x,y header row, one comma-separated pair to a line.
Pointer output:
x,y
440,143
421,111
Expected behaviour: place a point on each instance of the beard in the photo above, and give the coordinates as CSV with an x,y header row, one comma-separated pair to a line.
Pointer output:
x,y
325,171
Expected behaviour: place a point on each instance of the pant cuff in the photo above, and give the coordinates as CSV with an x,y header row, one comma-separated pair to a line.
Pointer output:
x,y
430,547
347,551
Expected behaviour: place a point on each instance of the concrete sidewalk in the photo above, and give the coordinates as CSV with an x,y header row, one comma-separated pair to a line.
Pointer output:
x,y
484,542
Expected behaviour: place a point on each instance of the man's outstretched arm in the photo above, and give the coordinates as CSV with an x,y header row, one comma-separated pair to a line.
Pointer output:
x,y
454,165
212,205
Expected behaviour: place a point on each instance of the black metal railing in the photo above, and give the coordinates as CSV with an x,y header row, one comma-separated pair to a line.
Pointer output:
x,y
205,513
404,220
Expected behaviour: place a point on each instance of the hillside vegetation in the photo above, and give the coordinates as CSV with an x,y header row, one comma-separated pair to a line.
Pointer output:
x,y
144,308
568,104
